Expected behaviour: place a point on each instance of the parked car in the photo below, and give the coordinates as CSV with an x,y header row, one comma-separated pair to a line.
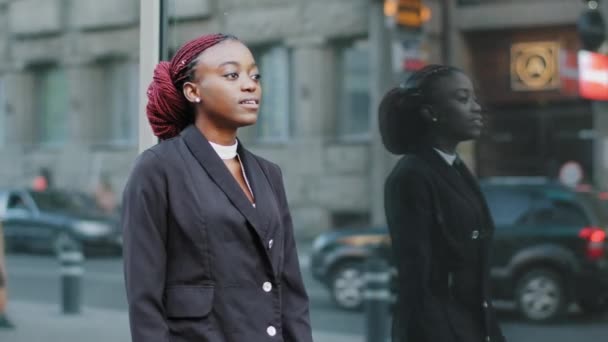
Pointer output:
x,y
54,220
550,249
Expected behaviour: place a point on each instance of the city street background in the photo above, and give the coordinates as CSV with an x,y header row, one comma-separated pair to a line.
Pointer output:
x,y
35,293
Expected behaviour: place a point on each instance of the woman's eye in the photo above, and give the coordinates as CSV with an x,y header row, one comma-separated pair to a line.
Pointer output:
x,y
232,76
256,77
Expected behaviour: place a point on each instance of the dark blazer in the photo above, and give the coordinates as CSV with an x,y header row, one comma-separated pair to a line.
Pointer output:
x,y
441,233
201,263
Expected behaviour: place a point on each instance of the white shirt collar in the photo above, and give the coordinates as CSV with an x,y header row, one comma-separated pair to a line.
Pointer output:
x,y
449,158
225,152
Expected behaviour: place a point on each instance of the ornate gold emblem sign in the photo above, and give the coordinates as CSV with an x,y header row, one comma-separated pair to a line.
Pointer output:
x,y
535,66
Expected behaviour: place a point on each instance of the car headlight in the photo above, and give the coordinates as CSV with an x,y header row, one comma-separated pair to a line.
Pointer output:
x,y
365,240
92,228
319,243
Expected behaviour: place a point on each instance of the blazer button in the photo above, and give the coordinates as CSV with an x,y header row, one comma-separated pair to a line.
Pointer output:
x,y
485,304
271,331
270,243
488,339
267,287
475,234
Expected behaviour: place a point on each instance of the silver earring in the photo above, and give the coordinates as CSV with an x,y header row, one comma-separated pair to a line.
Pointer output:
x,y
197,100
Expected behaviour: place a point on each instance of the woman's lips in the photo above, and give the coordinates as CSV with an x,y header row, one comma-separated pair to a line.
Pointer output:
x,y
250,103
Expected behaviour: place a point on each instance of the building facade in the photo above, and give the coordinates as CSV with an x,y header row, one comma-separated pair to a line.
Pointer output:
x,y
69,88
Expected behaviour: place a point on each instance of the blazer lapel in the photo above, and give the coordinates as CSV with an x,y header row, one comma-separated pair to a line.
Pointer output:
x,y
472,181
447,172
261,187
219,173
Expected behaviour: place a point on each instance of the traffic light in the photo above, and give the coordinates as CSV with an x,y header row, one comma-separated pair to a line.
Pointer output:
x,y
591,27
410,14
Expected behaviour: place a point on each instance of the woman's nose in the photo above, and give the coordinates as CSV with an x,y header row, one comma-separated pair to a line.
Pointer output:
x,y
249,85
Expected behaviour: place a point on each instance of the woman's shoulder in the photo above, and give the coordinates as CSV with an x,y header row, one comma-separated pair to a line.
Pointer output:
x,y
155,157
411,165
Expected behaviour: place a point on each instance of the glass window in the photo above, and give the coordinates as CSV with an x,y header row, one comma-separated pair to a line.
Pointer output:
x,y
274,115
63,201
52,105
508,206
558,213
16,201
120,79
354,120
3,113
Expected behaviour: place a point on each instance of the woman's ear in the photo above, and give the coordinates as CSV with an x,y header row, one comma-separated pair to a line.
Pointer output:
x,y
429,114
191,92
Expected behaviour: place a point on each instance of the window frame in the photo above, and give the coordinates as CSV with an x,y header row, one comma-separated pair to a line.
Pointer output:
x,y
341,92
39,72
288,118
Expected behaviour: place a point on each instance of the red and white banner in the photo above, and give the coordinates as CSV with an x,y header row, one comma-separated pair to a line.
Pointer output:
x,y
593,75
568,72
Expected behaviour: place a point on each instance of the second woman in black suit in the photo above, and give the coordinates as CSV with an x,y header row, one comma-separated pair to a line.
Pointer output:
x,y
438,220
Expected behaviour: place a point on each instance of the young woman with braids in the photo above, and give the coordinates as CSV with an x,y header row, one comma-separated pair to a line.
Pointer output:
x,y
438,219
209,247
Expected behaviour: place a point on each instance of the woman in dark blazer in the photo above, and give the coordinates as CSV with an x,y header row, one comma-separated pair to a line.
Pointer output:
x,y
438,219
209,247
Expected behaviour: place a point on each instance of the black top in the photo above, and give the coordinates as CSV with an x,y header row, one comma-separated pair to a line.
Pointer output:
x,y
201,263
441,231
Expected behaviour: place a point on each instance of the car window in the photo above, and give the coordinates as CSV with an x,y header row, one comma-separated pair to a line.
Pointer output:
x,y
16,201
550,212
508,206
59,201
597,204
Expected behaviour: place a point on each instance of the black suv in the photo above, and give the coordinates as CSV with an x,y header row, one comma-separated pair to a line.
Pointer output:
x,y
549,249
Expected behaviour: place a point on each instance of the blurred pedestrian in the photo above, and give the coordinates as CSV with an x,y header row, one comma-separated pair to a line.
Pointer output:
x,y
4,321
105,197
439,222
209,246
42,181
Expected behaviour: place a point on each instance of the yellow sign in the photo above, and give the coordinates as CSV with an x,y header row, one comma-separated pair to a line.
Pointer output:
x,y
408,13
535,66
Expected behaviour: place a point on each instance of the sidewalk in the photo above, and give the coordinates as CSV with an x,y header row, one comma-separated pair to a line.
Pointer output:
x,y
43,323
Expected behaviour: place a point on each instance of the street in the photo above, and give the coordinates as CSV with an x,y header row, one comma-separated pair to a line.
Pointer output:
x,y
36,279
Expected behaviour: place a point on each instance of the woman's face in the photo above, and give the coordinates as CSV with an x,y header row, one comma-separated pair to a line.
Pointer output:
x,y
456,108
227,82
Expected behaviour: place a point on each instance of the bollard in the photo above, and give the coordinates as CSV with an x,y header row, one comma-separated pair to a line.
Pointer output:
x,y
377,297
71,281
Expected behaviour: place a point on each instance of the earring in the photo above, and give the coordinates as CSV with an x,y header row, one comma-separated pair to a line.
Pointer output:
x,y
434,119
197,100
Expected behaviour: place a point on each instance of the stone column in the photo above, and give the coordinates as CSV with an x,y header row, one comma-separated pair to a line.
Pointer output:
x,y
381,78
600,125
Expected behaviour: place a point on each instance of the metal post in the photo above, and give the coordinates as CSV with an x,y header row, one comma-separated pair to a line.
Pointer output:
x,y
71,281
381,79
150,46
377,297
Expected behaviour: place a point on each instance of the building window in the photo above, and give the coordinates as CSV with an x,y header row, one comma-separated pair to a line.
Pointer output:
x,y
120,85
354,100
3,110
274,121
52,105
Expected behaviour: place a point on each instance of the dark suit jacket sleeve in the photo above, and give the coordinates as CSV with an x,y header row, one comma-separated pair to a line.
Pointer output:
x,y
144,223
296,321
409,216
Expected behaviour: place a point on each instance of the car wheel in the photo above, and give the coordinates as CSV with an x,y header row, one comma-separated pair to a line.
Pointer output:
x,y
347,285
64,242
593,306
540,295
